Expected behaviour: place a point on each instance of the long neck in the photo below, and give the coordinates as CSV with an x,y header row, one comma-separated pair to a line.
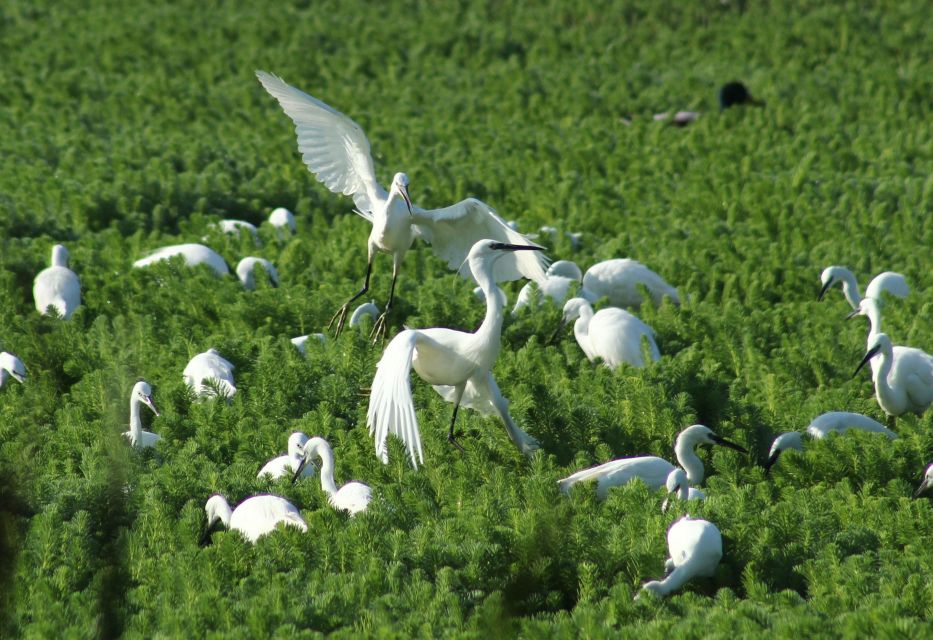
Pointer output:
x,y
677,578
136,423
689,460
491,328
224,512
684,492
850,288
327,469
874,319
4,376
882,388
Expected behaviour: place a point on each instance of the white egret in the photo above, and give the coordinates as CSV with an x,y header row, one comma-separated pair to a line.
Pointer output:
x,y
612,334
11,367
893,283
458,365
619,279
290,462
141,394
560,278
57,286
367,309
927,482
300,341
254,517
282,218
235,227
576,239
209,373
678,485
822,426
336,151
695,548
193,254
244,271
871,309
353,497
903,383
652,470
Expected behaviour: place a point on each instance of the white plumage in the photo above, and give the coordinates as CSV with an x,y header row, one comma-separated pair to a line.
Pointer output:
x,y
619,280
927,482
282,218
244,271
560,279
254,517
678,485
234,227
301,341
367,309
893,283
695,548
208,373
612,335
57,286
287,464
193,255
353,497
141,394
822,426
11,367
903,383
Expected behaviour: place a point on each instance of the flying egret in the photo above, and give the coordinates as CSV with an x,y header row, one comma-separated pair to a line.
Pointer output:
x,y
367,309
141,394
336,151
301,341
457,364
927,482
282,218
678,485
287,464
254,517
560,278
619,279
57,286
822,426
193,254
695,547
11,367
352,497
893,283
244,271
652,470
208,374
612,334
904,383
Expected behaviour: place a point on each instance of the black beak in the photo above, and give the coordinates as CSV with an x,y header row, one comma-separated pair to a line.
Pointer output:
x,y
152,406
922,488
404,192
825,288
301,467
502,246
770,463
868,356
854,313
726,443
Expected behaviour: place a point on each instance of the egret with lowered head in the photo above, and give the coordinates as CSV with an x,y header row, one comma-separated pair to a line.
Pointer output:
x,y
11,367
612,335
254,517
696,549
287,464
893,283
352,497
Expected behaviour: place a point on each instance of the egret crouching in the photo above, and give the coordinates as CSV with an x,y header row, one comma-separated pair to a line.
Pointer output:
x,y
352,497
210,374
141,394
336,151
57,286
254,517
244,271
696,549
619,279
458,365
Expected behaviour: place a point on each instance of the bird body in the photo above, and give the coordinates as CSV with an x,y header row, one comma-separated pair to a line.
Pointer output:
x,y
57,286
561,277
287,464
254,517
821,427
893,283
695,548
193,254
11,367
613,335
458,364
282,218
206,367
903,383
653,471
619,279
141,394
234,227
244,271
353,497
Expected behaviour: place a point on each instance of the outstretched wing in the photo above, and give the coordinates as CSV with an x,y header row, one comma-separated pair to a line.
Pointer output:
x,y
332,145
454,230
391,409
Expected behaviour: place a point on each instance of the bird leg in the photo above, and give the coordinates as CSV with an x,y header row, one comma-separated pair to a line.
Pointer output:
x,y
450,435
341,316
378,334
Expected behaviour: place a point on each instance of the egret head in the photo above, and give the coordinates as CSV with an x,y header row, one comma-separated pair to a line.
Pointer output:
x,y
880,343
400,185
700,434
869,307
316,446
573,309
676,484
142,392
927,483
296,444
13,365
733,93
789,440
59,256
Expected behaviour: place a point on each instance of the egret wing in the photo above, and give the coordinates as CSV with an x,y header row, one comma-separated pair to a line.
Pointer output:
x,y
391,408
599,471
453,231
333,146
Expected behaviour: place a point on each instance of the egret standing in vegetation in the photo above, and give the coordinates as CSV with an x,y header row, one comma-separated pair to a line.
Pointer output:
x,y
209,374
244,271
612,335
336,151
822,426
458,365
653,471
141,394
678,485
904,383
254,517
927,482
292,460
352,497
57,286
696,549
561,277
11,367
619,279
193,255
893,283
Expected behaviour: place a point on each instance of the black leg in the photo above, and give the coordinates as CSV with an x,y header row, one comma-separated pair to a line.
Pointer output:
x,y
341,316
450,434
379,328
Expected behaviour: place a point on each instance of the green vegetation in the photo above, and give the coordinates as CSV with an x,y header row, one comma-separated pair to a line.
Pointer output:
x,y
132,128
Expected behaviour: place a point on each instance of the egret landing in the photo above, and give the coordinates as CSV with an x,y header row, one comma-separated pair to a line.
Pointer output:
x,y
457,364
336,151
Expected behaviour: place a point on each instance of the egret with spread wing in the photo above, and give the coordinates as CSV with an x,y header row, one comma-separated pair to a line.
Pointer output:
x,y
337,152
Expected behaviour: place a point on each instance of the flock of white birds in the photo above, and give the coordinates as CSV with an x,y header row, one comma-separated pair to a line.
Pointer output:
x,y
483,247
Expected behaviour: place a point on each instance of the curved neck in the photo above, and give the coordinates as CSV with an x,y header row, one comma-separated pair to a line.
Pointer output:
x,y
684,492
223,511
678,577
136,423
491,327
882,387
324,452
689,460
850,288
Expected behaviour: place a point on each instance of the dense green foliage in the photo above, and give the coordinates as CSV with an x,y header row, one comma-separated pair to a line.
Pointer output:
x,y
122,130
